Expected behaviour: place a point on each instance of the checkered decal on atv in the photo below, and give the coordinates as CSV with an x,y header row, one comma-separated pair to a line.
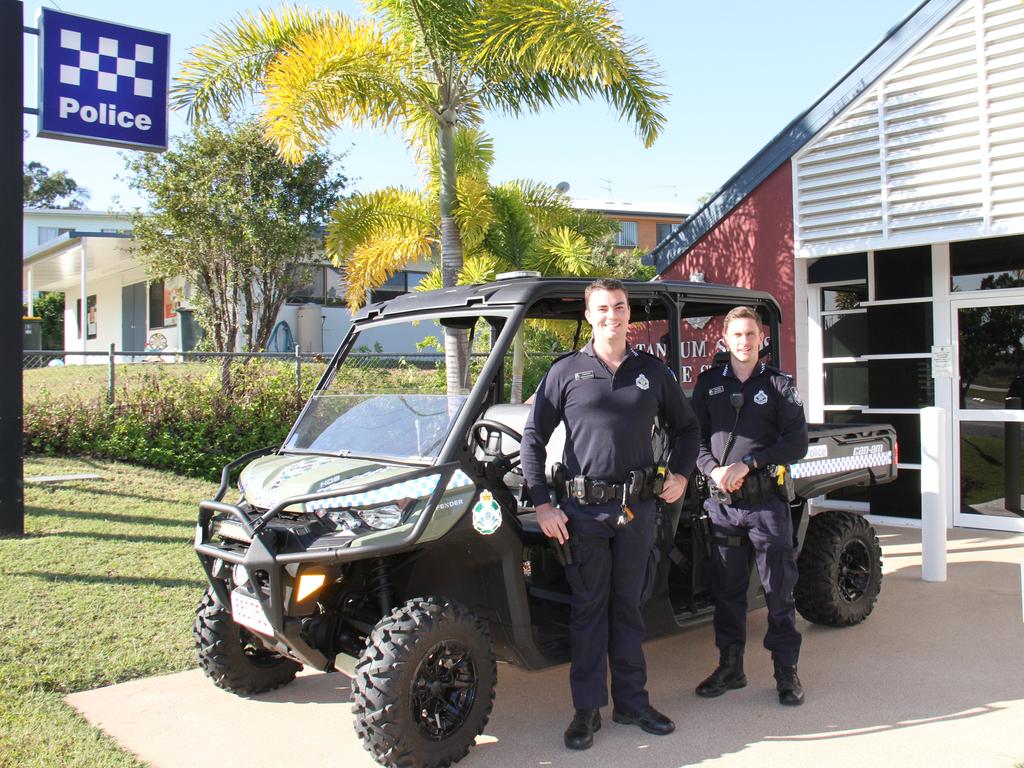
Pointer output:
x,y
840,464
410,489
109,61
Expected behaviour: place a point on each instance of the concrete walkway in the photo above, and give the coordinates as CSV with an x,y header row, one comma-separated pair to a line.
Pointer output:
x,y
934,678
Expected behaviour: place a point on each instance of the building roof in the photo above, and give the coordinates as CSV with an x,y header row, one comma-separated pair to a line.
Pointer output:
x,y
629,208
56,265
890,49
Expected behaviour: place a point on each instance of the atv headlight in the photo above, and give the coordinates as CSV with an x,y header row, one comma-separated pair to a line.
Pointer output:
x,y
377,518
381,518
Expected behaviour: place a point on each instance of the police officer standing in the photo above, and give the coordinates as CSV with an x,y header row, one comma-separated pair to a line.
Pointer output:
x,y
608,395
751,420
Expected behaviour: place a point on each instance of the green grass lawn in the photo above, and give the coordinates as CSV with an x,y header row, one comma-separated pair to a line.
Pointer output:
x,y
100,590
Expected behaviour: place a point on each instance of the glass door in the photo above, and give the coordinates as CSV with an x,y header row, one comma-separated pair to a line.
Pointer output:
x,y
988,416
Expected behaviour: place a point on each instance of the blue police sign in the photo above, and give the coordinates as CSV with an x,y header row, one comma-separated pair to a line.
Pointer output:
x,y
102,83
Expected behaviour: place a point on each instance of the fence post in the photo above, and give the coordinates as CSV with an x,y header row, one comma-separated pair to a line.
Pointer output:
x,y
110,377
298,375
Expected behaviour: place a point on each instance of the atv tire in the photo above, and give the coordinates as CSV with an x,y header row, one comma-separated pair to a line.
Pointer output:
x,y
424,686
840,568
232,656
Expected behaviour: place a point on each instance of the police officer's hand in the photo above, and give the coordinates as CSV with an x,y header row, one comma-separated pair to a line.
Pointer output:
x,y
730,478
674,487
552,521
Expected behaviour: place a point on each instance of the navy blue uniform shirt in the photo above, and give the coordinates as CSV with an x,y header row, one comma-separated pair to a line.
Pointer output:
x,y
771,426
608,419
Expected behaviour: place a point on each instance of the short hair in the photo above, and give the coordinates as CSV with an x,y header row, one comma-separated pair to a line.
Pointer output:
x,y
604,284
741,312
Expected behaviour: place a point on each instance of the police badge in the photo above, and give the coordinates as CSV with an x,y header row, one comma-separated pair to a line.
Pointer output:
x,y
486,514
761,397
642,382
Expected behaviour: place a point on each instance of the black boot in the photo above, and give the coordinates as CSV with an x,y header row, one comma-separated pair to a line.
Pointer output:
x,y
580,733
791,693
729,673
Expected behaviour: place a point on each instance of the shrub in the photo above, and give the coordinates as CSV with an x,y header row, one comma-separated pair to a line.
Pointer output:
x,y
187,425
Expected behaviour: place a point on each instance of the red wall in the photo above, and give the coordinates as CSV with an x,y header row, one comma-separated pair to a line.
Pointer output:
x,y
752,247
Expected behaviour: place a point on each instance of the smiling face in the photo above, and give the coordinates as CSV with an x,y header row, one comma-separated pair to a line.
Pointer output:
x,y
608,315
744,338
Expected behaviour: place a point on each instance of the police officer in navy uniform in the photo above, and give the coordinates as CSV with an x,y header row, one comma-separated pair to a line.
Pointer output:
x,y
608,395
751,419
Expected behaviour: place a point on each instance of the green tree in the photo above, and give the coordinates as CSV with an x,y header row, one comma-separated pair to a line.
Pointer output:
x,y
427,67
236,220
44,188
49,308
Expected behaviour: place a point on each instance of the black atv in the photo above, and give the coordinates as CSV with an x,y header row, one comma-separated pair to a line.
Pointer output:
x,y
392,527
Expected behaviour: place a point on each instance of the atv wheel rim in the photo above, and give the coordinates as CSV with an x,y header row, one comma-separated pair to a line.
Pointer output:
x,y
443,690
854,571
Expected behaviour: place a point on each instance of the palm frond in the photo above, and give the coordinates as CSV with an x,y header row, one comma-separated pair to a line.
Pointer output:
x,y
370,265
474,211
480,268
534,53
349,73
226,70
563,251
364,226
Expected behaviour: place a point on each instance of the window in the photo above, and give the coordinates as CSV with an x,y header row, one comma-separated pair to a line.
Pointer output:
x,y
311,289
844,322
903,273
46,234
895,329
156,304
627,234
876,336
663,229
985,265
396,285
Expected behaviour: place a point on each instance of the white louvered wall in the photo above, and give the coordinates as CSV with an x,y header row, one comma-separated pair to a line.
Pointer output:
x,y
933,151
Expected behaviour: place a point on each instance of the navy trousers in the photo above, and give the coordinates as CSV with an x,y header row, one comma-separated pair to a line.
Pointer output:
x,y
769,529
611,569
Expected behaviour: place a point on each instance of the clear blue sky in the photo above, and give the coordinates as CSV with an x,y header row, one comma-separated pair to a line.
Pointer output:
x,y
737,73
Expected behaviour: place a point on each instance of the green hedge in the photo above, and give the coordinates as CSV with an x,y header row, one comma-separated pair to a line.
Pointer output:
x,y
187,425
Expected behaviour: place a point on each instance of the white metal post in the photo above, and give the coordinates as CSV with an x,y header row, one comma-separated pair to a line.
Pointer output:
x,y
934,494
83,313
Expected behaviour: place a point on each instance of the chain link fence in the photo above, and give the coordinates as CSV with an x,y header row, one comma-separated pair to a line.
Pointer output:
x,y
88,375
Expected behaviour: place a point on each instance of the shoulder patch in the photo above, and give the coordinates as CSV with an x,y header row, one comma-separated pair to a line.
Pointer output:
x,y
794,397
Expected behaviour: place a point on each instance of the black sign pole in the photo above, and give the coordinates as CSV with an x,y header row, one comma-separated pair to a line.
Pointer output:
x,y
12,497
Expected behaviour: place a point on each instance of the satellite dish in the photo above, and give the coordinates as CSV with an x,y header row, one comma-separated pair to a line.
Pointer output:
x,y
562,187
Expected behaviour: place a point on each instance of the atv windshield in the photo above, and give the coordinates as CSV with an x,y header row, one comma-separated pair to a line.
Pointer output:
x,y
395,426
389,397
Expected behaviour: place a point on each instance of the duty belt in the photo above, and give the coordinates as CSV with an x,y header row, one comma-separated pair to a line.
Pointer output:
x,y
642,485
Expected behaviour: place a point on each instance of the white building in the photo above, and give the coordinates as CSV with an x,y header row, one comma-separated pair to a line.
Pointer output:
x,y
88,253
889,220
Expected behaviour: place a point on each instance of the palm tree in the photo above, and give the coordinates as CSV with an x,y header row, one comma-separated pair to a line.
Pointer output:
x,y
516,225
426,67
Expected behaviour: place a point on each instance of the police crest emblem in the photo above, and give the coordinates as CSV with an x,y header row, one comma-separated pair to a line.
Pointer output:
x,y
486,514
761,397
642,382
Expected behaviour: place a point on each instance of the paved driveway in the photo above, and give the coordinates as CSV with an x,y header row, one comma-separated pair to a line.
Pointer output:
x,y
934,678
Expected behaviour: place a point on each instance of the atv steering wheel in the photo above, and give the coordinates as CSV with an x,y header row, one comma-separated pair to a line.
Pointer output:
x,y
486,435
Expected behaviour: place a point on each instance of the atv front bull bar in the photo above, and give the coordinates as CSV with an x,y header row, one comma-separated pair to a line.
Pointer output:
x,y
262,555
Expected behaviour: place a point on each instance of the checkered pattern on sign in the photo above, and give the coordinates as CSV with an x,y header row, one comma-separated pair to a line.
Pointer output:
x,y
840,464
410,489
110,60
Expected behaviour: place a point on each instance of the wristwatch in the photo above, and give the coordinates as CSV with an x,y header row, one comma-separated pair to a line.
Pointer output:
x,y
749,461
